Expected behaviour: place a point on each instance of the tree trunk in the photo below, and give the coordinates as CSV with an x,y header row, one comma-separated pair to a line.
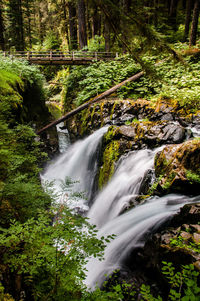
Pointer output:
x,y
73,40
195,18
173,14
28,15
2,41
96,22
156,9
189,5
82,24
21,26
107,35
41,31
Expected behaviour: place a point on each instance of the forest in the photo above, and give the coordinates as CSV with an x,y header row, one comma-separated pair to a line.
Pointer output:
x,y
105,205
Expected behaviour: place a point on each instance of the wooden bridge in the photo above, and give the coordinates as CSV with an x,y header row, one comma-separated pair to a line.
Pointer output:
x,y
59,57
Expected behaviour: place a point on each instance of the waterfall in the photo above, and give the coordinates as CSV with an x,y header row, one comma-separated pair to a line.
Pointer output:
x,y
63,138
123,187
130,229
80,163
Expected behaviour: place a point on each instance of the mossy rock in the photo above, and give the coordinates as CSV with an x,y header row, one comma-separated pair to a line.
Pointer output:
x,y
178,168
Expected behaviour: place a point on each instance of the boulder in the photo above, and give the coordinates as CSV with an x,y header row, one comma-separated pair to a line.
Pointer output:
x,y
176,243
177,168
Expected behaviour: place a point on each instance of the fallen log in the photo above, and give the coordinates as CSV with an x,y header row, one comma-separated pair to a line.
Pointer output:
x,y
95,99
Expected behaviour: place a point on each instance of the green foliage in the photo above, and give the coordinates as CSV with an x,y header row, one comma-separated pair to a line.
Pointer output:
x,y
84,83
51,42
96,44
193,177
52,256
20,70
20,191
179,81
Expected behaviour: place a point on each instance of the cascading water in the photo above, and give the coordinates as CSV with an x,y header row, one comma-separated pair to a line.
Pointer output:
x,y
130,229
63,138
80,162
123,188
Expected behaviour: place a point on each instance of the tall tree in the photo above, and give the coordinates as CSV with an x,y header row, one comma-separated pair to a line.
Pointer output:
x,y
16,28
189,6
173,13
73,41
96,22
27,21
82,29
195,18
2,40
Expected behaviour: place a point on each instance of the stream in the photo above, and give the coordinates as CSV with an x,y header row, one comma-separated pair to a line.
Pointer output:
x,y
79,162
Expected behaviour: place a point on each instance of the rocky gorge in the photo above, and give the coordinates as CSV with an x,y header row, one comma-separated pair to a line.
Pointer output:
x,y
134,125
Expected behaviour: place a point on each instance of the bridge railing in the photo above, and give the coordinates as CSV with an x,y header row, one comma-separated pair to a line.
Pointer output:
x,y
60,55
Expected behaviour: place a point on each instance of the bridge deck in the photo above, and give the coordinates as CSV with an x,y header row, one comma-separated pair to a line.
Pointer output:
x,y
61,58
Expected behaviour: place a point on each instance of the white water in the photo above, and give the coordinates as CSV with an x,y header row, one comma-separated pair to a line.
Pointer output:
x,y
63,138
79,162
123,188
130,229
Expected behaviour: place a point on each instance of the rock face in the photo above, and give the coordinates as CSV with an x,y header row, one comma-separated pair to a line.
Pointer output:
x,y
121,139
120,112
177,244
178,168
134,125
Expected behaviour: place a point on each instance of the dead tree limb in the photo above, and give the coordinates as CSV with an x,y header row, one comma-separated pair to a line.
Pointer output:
x,y
95,99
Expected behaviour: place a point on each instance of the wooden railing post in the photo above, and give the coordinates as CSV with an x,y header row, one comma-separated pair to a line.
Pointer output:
x,y
4,53
72,55
117,55
28,55
96,56
50,55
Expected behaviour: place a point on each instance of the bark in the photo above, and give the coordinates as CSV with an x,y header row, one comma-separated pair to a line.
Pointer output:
x,y
63,2
28,15
173,14
193,33
96,22
82,29
72,26
41,32
21,27
107,35
15,20
156,8
189,5
87,104
2,40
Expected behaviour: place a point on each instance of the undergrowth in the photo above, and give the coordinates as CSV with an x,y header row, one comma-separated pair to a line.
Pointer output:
x,y
172,80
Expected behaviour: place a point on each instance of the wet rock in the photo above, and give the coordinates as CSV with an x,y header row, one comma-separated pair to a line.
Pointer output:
x,y
178,168
170,244
168,117
118,112
153,134
127,131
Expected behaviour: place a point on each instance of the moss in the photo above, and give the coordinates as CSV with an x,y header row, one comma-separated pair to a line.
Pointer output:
x,y
10,86
193,177
110,156
54,109
111,133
